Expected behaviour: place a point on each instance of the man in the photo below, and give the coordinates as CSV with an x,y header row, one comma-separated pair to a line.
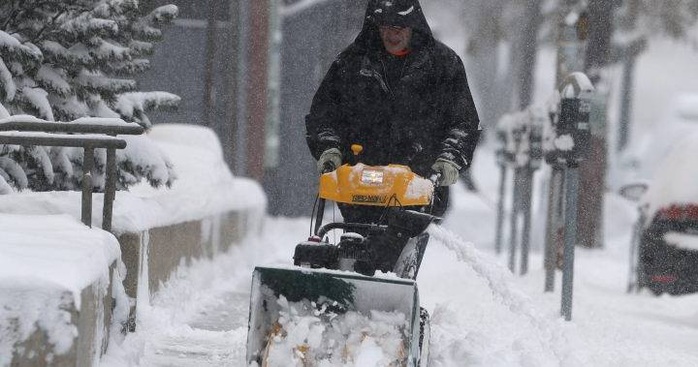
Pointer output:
x,y
401,94
404,97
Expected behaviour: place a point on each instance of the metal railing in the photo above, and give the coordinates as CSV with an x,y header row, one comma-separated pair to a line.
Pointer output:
x,y
96,134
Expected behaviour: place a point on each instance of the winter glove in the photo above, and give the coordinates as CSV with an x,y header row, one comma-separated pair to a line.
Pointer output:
x,y
448,171
329,160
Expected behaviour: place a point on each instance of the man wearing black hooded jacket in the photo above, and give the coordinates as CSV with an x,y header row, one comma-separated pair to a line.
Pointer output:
x,y
399,93
404,97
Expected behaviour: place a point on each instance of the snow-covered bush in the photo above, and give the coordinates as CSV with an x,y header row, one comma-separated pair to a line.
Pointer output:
x,y
65,59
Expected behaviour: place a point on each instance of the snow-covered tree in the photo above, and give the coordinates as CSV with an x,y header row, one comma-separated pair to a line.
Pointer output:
x,y
65,59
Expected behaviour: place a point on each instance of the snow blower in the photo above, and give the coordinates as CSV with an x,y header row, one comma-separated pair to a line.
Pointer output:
x,y
332,306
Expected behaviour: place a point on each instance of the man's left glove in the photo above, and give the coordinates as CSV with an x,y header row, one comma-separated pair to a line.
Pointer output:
x,y
329,160
448,171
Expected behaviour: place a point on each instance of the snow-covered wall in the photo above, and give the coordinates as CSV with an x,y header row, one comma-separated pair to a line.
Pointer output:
x,y
49,261
52,269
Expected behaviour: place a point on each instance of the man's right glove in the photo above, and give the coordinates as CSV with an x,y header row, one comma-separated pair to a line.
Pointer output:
x,y
329,160
448,171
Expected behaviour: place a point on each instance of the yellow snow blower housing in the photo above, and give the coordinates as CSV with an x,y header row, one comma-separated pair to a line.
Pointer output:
x,y
392,185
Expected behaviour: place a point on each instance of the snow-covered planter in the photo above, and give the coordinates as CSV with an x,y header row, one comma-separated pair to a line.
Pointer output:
x,y
204,211
60,291
201,215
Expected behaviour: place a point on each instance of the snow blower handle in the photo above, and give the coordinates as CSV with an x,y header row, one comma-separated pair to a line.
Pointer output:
x,y
328,167
436,178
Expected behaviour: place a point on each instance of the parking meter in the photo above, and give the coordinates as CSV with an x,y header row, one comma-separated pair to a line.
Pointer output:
x,y
573,131
572,139
538,121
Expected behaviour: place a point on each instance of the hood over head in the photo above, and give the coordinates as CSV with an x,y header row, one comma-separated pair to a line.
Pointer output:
x,y
402,13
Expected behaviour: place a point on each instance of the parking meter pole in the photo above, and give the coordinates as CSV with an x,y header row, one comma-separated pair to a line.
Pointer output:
x,y
515,211
500,208
632,275
551,227
571,192
526,193
632,280
573,126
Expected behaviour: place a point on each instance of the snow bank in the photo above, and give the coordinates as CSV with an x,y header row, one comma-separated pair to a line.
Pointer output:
x,y
45,263
205,186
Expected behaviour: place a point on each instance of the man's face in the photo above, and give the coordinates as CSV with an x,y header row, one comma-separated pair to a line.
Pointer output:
x,y
395,39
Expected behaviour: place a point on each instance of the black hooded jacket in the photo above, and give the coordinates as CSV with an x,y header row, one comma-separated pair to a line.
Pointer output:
x,y
405,111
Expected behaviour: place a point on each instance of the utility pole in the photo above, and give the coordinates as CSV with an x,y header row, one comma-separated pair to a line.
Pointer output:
x,y
233,85
257,87
528,47
209,102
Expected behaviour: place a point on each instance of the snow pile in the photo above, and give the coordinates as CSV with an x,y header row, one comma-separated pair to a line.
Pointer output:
x,y
45,263
308,333
205,186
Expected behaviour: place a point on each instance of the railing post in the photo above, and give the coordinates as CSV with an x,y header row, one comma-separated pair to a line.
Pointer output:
x,y
20,132
87,164
109,189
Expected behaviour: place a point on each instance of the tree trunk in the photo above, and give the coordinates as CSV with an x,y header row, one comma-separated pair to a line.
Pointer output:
x,y
528,46
482,63
593,170
600,32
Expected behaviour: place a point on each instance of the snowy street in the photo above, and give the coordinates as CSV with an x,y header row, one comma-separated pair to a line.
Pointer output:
x,y
481,314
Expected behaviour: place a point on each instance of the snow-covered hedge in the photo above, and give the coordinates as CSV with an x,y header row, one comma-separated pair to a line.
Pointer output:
x,y
63,60
45,168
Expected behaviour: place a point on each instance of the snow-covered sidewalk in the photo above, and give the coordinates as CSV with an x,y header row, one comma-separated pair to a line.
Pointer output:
x,y
481,314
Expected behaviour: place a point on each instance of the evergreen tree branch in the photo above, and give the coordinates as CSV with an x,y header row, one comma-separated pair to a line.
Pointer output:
x,y
49,24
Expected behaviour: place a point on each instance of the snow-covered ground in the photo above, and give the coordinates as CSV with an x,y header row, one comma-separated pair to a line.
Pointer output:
x,y
482,315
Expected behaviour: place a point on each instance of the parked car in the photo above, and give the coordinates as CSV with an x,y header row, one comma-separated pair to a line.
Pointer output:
x,y
664,253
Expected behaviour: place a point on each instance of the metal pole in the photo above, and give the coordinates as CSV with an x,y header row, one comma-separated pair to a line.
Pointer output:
x,y
526,208
571,181
210,60
87,164
551,227
515,209
625,104
232,62
500,209
109,190
242,86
